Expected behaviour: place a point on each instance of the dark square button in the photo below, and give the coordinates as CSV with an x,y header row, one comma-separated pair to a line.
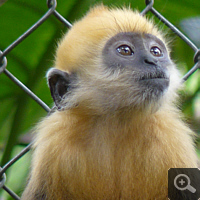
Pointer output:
x,y
184,184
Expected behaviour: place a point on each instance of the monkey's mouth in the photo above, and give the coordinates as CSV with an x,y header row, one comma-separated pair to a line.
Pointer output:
x,y
155,83
154,76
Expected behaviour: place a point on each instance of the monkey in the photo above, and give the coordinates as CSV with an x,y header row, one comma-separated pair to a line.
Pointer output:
x,y
116,128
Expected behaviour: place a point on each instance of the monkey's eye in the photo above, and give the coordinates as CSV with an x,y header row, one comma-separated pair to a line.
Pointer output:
x,y
125,50
155,51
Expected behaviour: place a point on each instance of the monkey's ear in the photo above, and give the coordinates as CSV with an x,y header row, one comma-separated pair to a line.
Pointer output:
x,y
59,84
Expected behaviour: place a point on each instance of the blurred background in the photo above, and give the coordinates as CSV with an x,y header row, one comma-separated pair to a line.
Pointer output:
x,y
30,60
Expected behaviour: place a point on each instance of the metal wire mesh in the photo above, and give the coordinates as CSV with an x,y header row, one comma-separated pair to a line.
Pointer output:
x,y
52,11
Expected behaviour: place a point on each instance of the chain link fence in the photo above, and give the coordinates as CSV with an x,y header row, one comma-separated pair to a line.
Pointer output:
x,y
52,11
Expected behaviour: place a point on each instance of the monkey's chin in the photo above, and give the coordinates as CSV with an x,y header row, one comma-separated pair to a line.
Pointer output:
x,y
153,93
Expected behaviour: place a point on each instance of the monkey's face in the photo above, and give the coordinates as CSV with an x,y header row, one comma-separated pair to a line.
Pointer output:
x,y
142,62
131,70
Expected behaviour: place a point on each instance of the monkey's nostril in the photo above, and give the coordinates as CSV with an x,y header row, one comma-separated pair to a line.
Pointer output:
x,y
150,62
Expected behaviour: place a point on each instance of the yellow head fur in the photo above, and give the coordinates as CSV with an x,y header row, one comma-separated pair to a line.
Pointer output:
x,y
92,32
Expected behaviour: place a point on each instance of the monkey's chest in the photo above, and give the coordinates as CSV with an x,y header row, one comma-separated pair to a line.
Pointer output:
x,y
105,173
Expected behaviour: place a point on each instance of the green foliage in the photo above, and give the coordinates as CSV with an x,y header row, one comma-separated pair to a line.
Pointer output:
x,y
30,60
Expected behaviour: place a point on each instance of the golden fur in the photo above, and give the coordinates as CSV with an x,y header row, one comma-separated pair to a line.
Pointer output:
x,y
92,32
87,154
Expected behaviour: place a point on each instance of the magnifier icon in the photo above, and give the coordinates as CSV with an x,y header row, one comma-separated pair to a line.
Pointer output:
x,y
182,182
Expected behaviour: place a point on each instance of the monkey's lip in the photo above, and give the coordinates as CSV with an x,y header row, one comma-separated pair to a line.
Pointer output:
x,y
155,83
161,76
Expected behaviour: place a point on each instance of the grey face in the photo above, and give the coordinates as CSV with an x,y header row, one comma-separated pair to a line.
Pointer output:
x,y
143,55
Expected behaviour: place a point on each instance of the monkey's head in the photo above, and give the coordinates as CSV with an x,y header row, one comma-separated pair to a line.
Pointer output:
x,y
111,60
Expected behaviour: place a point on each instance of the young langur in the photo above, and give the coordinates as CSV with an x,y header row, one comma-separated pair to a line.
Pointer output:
x,y
116,130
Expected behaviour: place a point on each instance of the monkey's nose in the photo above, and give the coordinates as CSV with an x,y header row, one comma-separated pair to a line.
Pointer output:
x,y
150,61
